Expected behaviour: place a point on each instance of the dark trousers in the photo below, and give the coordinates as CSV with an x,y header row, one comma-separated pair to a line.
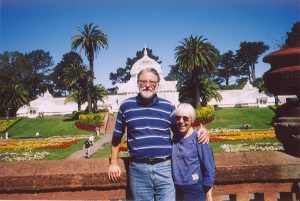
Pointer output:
x,y
193,192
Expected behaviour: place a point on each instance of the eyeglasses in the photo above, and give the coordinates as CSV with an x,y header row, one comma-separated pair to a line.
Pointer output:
x,y
145,82
185,118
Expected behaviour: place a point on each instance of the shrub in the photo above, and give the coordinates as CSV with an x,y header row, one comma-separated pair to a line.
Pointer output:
x,y
91,119
76,114
246,126
205,114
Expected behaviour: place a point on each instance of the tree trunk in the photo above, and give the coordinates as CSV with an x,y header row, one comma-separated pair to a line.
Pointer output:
x,y
79,106
88,93
91,62
196,84
253,72
90,81
250,78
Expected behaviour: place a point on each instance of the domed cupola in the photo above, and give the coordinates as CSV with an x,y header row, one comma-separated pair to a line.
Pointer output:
x,y
166,89
143,63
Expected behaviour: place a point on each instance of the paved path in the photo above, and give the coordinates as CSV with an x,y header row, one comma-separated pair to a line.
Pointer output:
x,y
98,145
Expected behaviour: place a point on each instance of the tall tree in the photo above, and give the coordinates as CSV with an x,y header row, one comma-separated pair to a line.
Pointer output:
x,y
196,56
91,39
122,74
39,65
293,37
247,57
12,68
58,74
22,77
227,67
208,88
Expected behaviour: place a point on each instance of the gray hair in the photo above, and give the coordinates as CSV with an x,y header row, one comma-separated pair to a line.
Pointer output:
x,y
187,109
151,70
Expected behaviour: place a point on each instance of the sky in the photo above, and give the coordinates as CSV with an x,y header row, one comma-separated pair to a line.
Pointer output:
x,y
27,25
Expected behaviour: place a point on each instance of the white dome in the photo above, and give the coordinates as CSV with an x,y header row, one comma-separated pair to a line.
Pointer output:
x,y
166,89
143,63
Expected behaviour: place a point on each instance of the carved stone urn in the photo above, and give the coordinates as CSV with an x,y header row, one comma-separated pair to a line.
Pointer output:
x,y
284,79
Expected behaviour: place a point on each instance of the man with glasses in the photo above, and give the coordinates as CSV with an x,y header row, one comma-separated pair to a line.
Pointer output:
x,y
149,121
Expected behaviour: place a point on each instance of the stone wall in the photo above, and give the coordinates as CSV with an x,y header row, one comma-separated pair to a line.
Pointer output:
x,y
239,174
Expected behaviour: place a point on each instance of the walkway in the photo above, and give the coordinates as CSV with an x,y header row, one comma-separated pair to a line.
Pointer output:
x,y
98,145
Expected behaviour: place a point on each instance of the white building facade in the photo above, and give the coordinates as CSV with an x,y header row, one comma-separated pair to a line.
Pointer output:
x,y
249,96
47,105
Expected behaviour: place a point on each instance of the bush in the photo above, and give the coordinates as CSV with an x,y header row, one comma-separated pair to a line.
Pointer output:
x,y
76,114
246,126
91,119
205,114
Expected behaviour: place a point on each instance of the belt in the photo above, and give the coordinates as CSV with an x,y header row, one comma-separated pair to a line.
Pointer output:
x,y
151,160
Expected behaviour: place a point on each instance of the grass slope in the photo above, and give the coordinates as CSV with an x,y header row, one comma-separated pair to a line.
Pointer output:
x,y
46,126
258,118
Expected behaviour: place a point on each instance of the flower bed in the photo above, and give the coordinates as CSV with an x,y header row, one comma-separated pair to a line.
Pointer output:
x,y
87,127
247,135
25,156
50,143
224,135
252,147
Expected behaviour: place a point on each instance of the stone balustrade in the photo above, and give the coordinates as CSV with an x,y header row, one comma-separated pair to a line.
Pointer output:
x,y
240,176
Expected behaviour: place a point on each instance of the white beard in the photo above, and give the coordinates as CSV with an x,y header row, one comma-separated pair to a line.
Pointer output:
x,y
147,94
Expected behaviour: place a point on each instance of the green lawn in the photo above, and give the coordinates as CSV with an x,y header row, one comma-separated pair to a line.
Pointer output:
x,y
258,118
46,126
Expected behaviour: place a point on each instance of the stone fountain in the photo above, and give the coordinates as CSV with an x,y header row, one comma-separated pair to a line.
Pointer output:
x,y
284,79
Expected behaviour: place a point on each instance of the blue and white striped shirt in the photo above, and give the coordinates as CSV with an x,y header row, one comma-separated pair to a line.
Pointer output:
x,y
148,127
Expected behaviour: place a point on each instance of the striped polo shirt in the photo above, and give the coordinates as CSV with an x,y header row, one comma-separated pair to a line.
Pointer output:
x,y
148,127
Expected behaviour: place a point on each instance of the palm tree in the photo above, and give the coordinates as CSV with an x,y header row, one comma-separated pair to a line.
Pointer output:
x,y
76,77
98,93
91,39
209,90
76,95
13,96
196,56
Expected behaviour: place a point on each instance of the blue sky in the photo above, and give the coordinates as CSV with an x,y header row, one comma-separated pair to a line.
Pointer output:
x,y
27,25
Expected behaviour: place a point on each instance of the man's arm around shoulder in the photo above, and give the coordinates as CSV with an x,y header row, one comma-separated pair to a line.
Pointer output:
x,y
203,135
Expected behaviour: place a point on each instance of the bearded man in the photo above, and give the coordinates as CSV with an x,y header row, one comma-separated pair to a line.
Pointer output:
x,y
149,121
